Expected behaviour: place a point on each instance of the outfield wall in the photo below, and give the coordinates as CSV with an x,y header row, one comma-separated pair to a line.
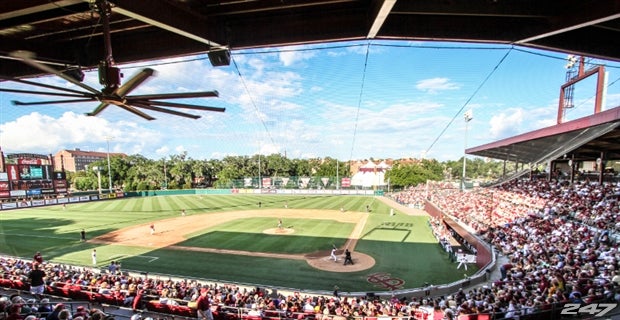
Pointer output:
x,y
85,197
151,193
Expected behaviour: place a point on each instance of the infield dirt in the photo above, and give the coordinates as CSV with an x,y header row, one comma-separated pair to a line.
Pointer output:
x,y
169,232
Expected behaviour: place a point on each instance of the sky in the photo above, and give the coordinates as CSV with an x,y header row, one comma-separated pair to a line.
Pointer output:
x,y
347,100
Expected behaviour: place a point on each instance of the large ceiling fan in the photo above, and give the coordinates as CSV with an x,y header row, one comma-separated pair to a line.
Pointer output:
x,y
112,93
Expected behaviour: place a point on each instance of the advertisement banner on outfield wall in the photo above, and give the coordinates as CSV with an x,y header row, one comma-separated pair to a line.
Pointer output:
x,y
74,199
247,182
51,201
304,182
37,203
94,197
84,198
266,182
23,204
10,205
325,181
62,200
345,182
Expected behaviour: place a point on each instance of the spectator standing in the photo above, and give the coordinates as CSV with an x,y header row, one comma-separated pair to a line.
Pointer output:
x,y
38,258
36,277
203,305
112,267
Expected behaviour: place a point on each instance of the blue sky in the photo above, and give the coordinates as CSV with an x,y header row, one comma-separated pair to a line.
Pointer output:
x,y
350,100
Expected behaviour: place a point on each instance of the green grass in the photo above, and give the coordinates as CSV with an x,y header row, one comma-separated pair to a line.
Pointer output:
x,y
247,234
402,245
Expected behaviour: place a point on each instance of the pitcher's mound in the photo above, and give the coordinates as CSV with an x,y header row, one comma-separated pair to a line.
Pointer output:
x,y
279,231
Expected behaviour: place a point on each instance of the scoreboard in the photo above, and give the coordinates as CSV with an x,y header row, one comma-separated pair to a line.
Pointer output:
x,y
31,177
30,180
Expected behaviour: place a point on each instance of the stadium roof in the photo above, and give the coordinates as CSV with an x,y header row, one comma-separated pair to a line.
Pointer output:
x,y
584,138
69,32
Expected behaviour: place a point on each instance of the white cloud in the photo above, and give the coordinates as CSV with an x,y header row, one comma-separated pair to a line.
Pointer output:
x,y
506,123
289,58
37,133
435,85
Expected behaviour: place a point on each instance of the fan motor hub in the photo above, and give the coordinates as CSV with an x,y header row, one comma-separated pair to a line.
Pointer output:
x,y
109,76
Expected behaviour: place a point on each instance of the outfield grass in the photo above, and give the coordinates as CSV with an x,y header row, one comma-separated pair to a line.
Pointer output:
x,y
402,245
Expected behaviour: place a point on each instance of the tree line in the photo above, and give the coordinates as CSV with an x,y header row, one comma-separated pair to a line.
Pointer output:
x,y
180,171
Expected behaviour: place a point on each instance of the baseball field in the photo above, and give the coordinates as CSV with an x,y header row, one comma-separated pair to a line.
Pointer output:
x,y
259,240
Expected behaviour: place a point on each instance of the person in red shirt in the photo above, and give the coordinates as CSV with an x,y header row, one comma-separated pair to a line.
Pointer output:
x,y
38,258
203,305
15,312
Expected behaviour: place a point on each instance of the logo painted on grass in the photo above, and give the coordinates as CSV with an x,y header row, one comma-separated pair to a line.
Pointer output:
x,y
595,309
385,280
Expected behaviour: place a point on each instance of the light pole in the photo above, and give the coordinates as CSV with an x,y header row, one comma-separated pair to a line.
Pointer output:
x,y
98,169
468,115
165,176
107,139
337,178
260,179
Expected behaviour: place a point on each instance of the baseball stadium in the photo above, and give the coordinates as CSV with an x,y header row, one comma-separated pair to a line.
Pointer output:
x,y
267,223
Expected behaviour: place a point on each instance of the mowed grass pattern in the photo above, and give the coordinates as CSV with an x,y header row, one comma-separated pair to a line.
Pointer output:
x,y
247,234
403,246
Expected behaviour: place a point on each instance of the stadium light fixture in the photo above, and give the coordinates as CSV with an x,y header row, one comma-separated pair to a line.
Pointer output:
x,y
109,166
468,116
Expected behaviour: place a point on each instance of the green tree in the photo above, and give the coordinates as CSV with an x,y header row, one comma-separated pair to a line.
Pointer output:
x,y
408,174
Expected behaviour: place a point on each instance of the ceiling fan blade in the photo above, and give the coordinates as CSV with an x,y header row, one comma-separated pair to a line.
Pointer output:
x,y
35,103
172,112
134,82
179,105
98,110
60,94
180,95
49,86
136,111
28,58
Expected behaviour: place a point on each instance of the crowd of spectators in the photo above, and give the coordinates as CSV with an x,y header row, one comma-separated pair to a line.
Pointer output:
x,y
16,307
559,239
